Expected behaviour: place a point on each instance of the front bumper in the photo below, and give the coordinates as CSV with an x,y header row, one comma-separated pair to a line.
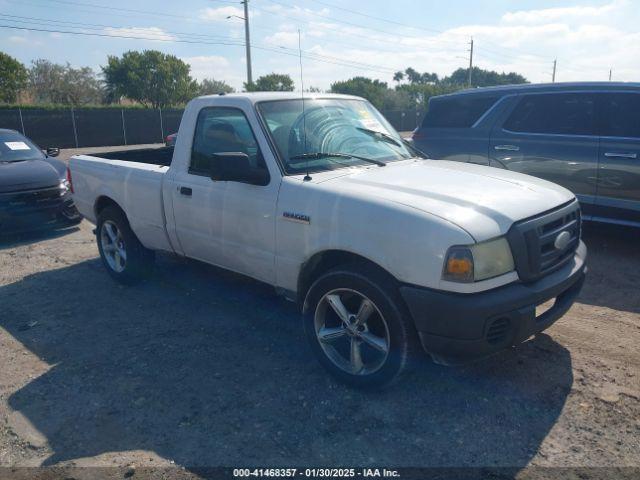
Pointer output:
x,y
36,210
456,328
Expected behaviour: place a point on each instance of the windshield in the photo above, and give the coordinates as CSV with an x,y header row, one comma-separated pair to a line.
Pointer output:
x,y
332,126
15,147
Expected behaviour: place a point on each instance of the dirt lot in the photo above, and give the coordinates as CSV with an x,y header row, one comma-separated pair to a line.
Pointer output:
x,y
200,367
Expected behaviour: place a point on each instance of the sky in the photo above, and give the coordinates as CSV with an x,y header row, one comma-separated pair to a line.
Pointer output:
x,y
339,39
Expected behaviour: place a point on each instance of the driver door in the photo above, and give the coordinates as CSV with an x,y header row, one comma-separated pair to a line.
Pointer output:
x,y
225,223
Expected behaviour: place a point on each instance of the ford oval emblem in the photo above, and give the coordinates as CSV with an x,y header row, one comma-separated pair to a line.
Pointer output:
x,y
562,240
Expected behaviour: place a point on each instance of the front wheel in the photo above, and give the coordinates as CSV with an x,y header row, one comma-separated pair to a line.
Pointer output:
x,y
124,257
358,328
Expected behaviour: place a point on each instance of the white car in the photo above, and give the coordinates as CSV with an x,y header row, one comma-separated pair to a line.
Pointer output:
x,y
382,249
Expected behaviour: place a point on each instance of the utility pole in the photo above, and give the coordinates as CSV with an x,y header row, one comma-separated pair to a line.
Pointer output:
x,y
553,75
610,74
247,40
470,62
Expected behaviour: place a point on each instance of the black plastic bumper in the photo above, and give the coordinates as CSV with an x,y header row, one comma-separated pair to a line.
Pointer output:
x,y
29,218
457,327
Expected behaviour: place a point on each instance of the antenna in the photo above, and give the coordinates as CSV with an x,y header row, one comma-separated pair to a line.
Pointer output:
x,y
304,116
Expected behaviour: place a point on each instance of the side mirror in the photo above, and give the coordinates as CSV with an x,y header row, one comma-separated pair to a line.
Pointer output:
x,y
53,152
236,167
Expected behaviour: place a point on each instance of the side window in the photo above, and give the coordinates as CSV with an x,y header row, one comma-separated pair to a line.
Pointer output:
x,y
457,112
220,130
561,114
622,117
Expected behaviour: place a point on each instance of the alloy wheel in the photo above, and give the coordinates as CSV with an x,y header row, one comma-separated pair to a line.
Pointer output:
x,y
113,246
352,332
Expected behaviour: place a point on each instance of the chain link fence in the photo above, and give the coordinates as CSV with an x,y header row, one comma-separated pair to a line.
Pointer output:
x,y
98,127
91,127
404,120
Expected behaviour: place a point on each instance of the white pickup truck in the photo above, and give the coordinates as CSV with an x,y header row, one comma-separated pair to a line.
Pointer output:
x,y
383,249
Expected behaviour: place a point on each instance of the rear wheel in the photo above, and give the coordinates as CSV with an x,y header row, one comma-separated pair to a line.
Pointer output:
x,y
124,257
358,328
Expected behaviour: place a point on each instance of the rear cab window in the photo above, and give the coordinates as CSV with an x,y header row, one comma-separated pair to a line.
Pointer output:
x,y
457,112
555,114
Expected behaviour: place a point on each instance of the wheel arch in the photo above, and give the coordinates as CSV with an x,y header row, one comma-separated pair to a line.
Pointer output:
x,y
323,261
104,201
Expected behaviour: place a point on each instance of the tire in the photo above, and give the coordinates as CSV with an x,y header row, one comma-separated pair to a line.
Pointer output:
x,y
387,325
114,234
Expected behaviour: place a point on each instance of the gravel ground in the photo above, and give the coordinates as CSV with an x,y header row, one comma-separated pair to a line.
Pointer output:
x,y
199,367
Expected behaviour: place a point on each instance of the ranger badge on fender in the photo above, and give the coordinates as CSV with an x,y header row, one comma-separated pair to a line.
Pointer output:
x,y
297,217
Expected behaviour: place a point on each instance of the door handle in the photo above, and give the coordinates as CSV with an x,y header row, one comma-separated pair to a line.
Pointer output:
x,y
186,191
508,148
621,155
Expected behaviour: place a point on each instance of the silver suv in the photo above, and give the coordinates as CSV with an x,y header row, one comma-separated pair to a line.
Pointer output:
x,y
583,136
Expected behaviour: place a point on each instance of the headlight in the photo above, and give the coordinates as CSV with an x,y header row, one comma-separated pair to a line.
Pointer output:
x,y
478,262
64,186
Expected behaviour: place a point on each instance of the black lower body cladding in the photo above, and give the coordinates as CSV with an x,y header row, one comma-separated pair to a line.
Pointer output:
x,y
457,328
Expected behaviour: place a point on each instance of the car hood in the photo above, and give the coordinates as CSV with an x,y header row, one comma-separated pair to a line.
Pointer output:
x,y
30,174
484,201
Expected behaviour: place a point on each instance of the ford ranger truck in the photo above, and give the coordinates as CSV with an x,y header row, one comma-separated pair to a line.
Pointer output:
x,y
384,250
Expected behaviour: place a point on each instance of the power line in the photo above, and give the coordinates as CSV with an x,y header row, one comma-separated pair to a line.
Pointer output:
x,y
281,50
369,38
326,4
91,26
344,22
390,33
104,7
116,35
480,50
193,37
146,35
352,34
434,42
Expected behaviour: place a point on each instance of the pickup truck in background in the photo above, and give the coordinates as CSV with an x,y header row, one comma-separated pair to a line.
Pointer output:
x,y
321,198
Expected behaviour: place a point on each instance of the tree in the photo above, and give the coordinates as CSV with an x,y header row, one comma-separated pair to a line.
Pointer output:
x,y
413,76
420,93
372,90
274,82
398,77
13,78
429,78
377,92
62,84
210,86
484,78
151,78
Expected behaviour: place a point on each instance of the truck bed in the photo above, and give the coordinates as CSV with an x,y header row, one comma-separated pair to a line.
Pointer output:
x,y
134,185
152,156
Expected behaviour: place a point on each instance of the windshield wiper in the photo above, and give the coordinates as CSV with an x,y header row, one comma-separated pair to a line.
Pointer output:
x,y
321,155
380,136
419,152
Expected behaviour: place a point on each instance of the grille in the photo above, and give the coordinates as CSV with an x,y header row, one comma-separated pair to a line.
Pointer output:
x,y
535,242
498,331
30,201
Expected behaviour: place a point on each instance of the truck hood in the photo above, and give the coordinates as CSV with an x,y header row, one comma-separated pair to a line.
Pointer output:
x,y
484,201
30,174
